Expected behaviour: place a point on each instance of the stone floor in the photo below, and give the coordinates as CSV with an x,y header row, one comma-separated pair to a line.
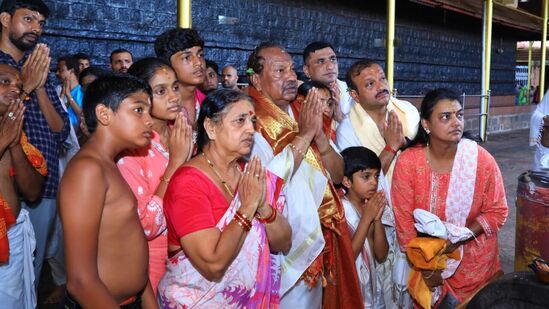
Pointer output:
x,y
513,156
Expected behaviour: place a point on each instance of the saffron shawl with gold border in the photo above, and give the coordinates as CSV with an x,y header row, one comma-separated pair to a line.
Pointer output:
x,y
335,265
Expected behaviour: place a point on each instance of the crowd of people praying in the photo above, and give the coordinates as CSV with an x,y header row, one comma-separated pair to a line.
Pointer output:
x,y
163,182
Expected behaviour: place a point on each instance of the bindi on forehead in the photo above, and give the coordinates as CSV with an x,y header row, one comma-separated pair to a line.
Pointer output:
x,y
250,113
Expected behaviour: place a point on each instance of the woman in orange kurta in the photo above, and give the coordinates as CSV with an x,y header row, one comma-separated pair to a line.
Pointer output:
x,y
423,179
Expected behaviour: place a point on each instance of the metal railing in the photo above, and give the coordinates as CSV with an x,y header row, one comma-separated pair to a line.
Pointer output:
x,y
463,96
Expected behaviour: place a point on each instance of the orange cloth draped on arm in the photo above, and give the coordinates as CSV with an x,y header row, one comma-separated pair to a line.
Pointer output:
x,y
425,253
415,185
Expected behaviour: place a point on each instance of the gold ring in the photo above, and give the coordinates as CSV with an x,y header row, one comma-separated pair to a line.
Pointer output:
x,y
257,175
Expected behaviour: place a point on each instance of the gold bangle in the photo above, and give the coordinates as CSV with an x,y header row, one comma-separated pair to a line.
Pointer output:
x,y
299,151
302,138
326,151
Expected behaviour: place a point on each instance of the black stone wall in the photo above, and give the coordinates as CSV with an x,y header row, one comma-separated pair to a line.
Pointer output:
x,y
435,47
97,27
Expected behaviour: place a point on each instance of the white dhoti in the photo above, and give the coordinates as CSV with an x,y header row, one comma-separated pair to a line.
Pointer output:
x,y
303,192
17,275
301,296
359,129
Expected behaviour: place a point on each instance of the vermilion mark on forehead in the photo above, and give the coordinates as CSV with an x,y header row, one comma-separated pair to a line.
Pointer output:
x,y
250,112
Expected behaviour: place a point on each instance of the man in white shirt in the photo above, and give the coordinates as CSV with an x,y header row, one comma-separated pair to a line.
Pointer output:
x,y
382,124
320,64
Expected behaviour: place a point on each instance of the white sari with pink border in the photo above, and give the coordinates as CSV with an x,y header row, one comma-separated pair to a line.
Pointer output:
x,y
251,281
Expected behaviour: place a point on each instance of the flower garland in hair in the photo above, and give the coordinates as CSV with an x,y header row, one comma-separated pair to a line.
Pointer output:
x,y
250,71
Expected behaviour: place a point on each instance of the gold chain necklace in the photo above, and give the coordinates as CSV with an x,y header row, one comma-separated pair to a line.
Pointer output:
x,y
223,181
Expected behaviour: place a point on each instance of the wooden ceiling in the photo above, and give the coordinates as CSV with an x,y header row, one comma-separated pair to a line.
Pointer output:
x,y
531,6
526,17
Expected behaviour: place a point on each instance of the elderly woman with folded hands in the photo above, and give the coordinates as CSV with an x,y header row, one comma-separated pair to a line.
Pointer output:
x,y
223,219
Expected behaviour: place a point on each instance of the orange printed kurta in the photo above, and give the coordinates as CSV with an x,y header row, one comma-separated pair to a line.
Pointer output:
x,y
415,185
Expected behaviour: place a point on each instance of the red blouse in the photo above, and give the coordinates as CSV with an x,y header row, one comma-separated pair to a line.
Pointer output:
x,y
192,203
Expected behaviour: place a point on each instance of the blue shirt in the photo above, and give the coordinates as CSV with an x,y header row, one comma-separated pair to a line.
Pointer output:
x,y
38,131
78,95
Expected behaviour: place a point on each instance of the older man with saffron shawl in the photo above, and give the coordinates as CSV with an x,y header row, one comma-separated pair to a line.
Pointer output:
x,y
319,270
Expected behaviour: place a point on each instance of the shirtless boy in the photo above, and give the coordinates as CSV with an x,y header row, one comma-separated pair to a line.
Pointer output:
x,y
105,247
